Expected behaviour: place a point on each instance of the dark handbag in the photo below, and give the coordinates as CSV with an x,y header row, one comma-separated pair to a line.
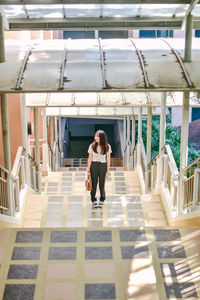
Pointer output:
x,y
88,184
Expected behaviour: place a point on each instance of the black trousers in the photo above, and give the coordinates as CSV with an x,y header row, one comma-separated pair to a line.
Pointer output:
x,y
98,172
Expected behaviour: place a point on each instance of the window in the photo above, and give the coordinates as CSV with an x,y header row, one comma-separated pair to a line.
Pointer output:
x,y
116,34
78,34
197,33
155,33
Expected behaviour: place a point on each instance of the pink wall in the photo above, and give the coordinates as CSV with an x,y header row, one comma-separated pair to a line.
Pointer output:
x,y
14,114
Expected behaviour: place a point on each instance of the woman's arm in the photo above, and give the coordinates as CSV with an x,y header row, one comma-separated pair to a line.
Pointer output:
x,y
89,163
108,164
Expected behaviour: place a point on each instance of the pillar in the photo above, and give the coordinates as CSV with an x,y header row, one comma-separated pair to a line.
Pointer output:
x,y
183,148
133,132
188,39
128,143
37,147
45,153
149,126
139,124
2,46
51,132
162,121
25,135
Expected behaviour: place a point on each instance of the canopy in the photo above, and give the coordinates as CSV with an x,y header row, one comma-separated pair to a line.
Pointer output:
x,y
99,65
109,100
96,14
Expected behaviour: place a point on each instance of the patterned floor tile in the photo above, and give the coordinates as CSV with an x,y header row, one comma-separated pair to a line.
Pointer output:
x,y
58,253
22,272
100,291
98,236
133,252
19,291
98,253
26,253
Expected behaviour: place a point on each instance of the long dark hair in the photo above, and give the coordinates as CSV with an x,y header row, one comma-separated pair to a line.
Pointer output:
x,y
103,142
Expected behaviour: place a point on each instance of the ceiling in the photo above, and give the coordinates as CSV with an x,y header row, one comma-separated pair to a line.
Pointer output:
x,y
99,14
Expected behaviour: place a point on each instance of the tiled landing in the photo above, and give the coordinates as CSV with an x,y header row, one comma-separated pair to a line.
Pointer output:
x,y
109,263
65,203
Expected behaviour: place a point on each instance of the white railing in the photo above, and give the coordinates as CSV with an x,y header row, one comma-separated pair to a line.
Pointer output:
x,y
3,190
55,157
163,170
12,184
191,186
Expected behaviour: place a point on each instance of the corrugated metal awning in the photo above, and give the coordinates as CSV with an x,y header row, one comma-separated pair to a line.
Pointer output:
x,y
174,99
123,65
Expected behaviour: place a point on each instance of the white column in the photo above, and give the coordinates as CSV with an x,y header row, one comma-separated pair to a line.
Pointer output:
x,y
51,132
6,151
37,147
183,148
139,124
128,143
133,132
149,125
162,121
60,141
45,153
124,141
24,123
160,159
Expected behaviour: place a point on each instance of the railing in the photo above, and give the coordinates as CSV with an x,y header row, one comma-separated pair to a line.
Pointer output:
x,y
191,186
163,169
18,176
3,190
139,157
12,184
55,156
34,173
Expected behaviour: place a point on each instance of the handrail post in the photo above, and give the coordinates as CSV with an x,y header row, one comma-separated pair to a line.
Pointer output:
x,y
34,178
196,188
17,191
23,171
165,173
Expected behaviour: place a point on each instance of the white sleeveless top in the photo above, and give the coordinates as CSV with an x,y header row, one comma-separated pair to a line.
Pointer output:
x,y
98,157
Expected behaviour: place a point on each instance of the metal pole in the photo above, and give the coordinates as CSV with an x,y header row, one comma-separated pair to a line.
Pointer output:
x,y
128,143
60,135
37,147
51,131
124,131
7,153
25,135
162,121
184,132
149,125
133,132
44,125
188,39
139,124
5,132
2,45
183,148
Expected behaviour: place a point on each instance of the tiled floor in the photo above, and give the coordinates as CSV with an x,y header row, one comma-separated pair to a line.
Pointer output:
x,y
65,203
106,263
65,250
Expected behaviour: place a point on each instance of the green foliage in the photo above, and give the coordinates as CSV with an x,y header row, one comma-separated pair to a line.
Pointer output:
x,y
172,138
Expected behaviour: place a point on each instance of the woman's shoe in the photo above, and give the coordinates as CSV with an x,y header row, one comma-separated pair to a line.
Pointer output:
x,y
94,204
100,204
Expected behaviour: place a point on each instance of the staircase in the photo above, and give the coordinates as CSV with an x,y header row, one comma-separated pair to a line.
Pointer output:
x,y
65,250
82,162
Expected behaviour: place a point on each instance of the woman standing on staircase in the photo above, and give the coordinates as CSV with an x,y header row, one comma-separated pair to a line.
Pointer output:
x,y
99,166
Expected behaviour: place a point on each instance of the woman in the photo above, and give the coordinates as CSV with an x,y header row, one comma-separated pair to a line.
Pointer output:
x,y
99,166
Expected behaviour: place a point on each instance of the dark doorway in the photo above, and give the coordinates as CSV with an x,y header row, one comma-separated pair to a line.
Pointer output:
x,y
109,130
